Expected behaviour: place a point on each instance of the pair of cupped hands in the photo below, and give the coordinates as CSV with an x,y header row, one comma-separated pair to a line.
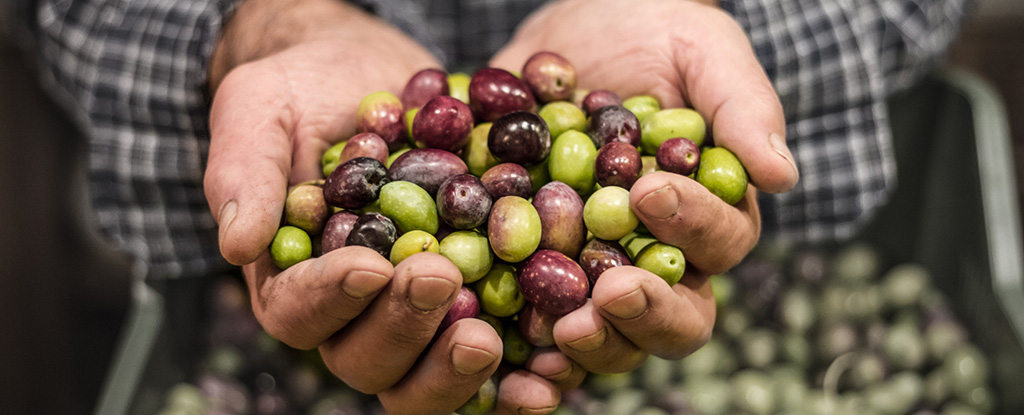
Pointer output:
x,y
287,77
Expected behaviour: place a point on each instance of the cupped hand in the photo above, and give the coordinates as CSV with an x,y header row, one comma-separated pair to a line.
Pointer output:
x,y
685,54
287,78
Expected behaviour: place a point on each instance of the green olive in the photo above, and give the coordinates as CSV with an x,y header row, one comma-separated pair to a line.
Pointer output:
x,y
458,86
722,174
499,293
572,161
290,246
670,123
395,154
409,206
663,260
642,106
331,157
608,215
562,116
410,116
514,228
516,349
476,155
411,243
539,174
470,251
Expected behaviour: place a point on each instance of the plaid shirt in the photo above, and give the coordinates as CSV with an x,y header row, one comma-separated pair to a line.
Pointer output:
x,y
132,74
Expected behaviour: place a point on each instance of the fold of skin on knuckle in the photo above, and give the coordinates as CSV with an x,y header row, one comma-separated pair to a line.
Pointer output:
x,y
278,319
617,355
699,323
705,224
544,359
678,320
362,379
411,334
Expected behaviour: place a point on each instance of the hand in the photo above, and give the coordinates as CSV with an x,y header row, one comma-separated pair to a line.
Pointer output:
x,y
287,78
685,54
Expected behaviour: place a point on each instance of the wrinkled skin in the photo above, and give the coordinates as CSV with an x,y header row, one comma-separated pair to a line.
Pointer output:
x,y
352,302
701,59
281,98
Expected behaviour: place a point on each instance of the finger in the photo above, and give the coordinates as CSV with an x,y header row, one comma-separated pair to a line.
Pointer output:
x,y
679,211
379,347
728,86
458,363
557,368
526,393
586,337
669,322
248,167
305,304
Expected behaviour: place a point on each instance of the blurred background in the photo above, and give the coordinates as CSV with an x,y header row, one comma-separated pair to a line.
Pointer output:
x,y
64,293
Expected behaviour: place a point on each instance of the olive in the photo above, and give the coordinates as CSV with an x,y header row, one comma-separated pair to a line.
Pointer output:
x,y
290,246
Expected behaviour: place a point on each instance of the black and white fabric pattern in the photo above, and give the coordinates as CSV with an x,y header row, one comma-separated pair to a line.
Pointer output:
x,y
132,73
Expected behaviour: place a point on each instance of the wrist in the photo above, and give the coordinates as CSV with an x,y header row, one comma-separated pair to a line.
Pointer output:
x,y
261,28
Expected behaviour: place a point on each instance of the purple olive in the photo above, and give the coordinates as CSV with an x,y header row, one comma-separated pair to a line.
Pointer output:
x,y
495,92
463,201
678,155
599,98
613,123
424,86
336,231
356,183
553,282
508,179
537,328
375,231
466,305
443,123
365,144
561,217
519,137
381,113
599,255
550,77
617,164
426,167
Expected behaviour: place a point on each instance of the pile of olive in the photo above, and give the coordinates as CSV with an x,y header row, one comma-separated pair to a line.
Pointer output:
x,y
522,181
804,332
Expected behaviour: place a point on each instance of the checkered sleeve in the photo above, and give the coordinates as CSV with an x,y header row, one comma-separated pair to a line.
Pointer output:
x,y
834,64
132,73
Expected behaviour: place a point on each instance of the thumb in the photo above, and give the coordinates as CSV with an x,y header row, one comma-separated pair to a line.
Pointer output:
x,y
730,89
247,171
678,211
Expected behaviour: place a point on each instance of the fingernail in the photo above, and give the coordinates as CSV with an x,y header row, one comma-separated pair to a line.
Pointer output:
x,y
560,376
659,204
537,411
589,343
361,284
470,360
778,143
429,293
629,306
227,215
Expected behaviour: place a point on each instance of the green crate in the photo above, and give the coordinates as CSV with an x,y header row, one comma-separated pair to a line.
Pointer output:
x,y
956,212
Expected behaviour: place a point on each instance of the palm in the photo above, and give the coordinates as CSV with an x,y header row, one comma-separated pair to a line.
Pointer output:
x,y
311,93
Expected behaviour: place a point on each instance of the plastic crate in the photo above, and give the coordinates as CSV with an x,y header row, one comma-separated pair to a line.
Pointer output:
x,y
956,212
